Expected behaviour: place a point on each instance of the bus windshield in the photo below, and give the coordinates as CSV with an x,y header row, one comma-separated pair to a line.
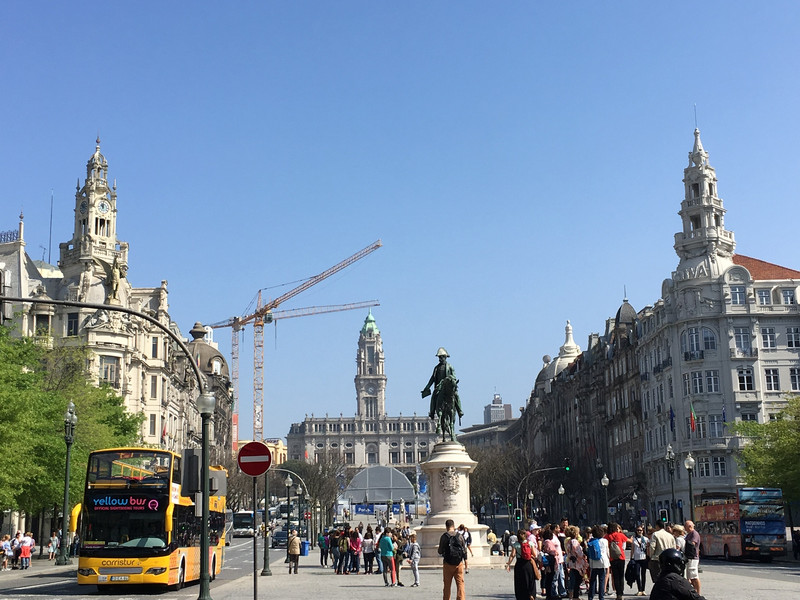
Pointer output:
x,y
130,468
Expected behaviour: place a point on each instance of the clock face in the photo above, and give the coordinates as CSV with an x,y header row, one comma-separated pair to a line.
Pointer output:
x,y
84,207
103,206
371,389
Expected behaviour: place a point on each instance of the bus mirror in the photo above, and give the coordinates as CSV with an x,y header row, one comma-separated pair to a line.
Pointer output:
x,y
168,518
73,518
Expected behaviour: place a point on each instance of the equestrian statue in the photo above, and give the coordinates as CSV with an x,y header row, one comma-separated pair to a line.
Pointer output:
x,y
445,403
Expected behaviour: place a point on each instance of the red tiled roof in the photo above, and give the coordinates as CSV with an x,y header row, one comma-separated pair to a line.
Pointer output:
x,y
763,270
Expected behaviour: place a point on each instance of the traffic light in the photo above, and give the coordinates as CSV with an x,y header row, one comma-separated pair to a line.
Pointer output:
x,y
663,515
566,464
518,514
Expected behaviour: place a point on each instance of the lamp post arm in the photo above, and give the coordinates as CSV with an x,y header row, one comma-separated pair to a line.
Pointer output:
x,y
129,311
533,473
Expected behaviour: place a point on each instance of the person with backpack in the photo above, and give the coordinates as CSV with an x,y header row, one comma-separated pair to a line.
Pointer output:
x,y
597,550
616,554
453,551
526,571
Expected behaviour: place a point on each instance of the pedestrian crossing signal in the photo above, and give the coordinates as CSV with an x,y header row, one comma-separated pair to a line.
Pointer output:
x,y
566,464
662,515
518,514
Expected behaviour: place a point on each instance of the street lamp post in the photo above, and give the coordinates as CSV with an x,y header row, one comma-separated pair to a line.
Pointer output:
x,y
70,420
689,463
205,405
561,491
670,458
635,499
604,482
300,522
288,483
266,571
530,504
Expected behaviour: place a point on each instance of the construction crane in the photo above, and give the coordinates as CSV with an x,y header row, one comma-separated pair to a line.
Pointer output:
x,y
265,313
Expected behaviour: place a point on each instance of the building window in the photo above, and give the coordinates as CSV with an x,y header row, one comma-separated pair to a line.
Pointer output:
x,y
422,455
763,297
686,385
772,380
715,426
690,340
737,294
394,457
712,381
154,386
408,456
109,370
697,382
768,337
42,325
703,467
741,336
154,347
788,296
349,458
749,417
745,375
709,339
793,337
72,324
372,458
794,378
720,468
152,424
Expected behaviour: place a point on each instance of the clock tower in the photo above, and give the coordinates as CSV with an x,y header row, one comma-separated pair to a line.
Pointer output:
x,y
370,379
94,251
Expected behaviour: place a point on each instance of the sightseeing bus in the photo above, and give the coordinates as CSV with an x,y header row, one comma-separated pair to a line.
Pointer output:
x,y
746,524
138,528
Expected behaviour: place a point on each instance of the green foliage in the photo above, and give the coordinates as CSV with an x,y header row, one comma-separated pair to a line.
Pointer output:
x,y
36,385
771,457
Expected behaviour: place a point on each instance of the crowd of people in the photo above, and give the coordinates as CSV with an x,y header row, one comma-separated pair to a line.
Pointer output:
x,y
367,551
17,551
559,561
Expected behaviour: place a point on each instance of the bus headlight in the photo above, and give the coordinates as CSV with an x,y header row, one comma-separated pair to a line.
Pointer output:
x,y
87,572
155,571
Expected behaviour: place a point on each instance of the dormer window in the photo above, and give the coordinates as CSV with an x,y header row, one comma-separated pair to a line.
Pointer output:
x,y
216,367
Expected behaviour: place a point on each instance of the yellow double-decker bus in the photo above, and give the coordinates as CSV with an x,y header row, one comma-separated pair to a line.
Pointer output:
x,y
136,526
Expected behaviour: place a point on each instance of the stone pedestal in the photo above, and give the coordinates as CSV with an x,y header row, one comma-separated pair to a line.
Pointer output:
x,y
448,470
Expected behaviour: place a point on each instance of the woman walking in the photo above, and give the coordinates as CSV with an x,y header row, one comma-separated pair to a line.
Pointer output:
x,y
526,573
639,542
52,547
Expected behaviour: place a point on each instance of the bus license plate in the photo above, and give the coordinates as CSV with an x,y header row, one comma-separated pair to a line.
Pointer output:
x,y
119,578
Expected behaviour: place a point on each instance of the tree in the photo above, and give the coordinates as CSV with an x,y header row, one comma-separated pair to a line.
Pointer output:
x,y
771,455
36,385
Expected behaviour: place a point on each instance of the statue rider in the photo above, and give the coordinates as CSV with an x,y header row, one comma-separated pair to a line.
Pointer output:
x,y
440,373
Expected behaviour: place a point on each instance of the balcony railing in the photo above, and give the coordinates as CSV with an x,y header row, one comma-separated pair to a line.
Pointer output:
x,y
693,355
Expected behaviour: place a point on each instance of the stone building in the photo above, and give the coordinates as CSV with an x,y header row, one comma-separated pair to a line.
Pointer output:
x,y
499,427
370,437
722,344
136,358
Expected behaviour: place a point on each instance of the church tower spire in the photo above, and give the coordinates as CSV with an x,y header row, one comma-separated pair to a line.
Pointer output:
x,y
370,379
704,239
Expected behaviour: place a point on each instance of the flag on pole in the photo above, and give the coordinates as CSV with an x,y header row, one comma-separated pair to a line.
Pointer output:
x,y
692,417
671,418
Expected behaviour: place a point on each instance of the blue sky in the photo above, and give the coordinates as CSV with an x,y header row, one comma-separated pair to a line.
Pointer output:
x,y
521,161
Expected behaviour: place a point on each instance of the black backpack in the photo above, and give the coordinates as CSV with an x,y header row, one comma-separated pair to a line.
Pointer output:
x,y
454,552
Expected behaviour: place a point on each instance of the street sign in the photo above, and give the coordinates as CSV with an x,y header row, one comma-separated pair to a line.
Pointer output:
x,y
254,459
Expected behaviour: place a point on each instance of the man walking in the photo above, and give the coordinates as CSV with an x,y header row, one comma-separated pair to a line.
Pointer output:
x,y
454,552
692,553
659,541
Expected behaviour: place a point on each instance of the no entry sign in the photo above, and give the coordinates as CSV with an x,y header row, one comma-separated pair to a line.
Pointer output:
x,y
254,459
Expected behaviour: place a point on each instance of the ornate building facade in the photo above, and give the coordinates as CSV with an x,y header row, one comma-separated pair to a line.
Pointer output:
x,y
133,356
722,344
370,437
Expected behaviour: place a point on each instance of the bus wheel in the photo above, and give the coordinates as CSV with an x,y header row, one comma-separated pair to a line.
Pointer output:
x,y
213,573
181,577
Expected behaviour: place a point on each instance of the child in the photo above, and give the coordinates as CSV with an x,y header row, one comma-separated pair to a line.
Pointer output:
x,y
413,558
